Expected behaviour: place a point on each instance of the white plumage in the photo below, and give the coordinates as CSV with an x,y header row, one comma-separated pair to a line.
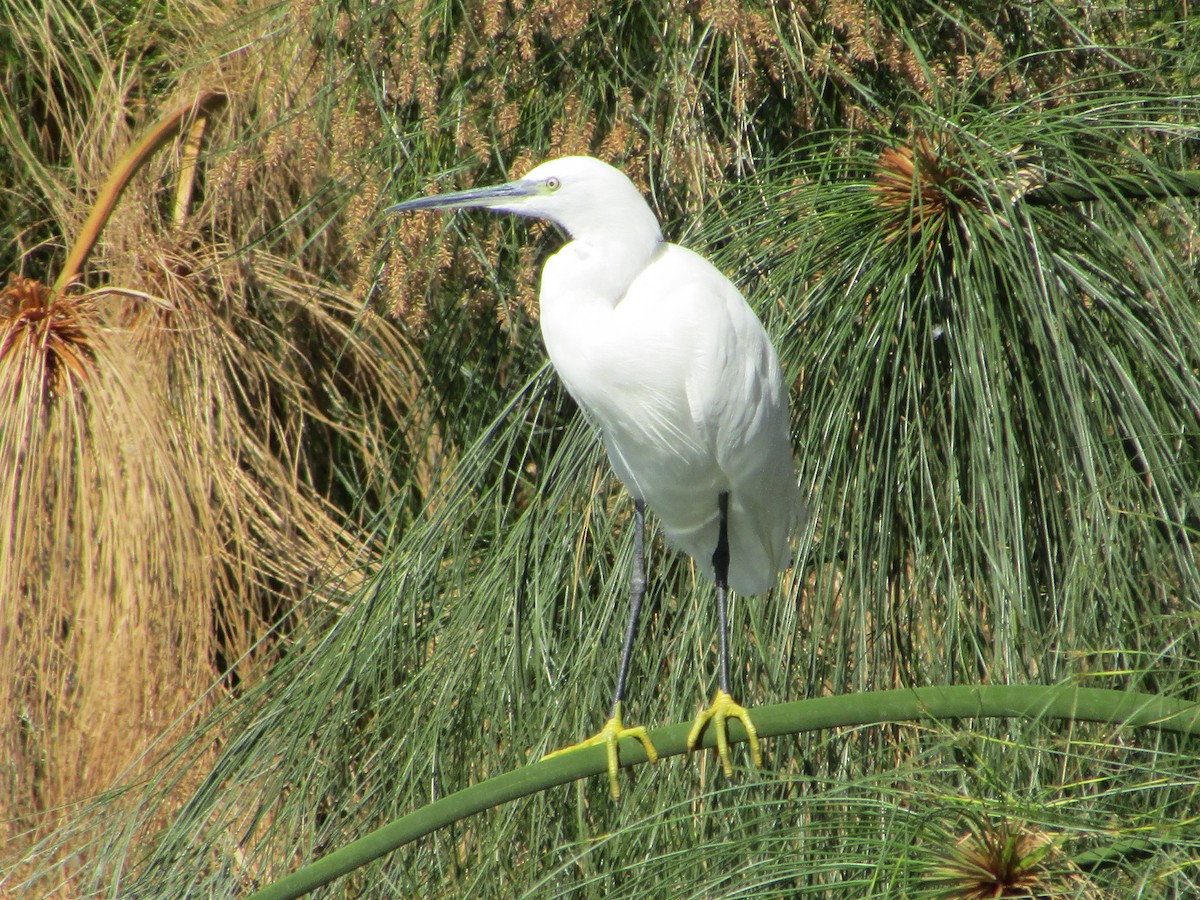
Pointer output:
x,y
666,358
684,385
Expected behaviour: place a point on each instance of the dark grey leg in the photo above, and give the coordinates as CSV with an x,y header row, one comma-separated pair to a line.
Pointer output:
x,y
637,593
721,569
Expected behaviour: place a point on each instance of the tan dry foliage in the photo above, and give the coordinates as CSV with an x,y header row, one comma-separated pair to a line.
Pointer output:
x,y
105,563
156,431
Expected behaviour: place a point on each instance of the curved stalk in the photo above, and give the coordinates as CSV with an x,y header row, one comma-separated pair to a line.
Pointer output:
x,y
135,157
1120,708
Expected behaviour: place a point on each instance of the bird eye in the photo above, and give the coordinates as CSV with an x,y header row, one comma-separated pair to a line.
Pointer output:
x,y
552,183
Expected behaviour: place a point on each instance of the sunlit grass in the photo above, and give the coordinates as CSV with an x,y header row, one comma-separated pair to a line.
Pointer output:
x,y
995,419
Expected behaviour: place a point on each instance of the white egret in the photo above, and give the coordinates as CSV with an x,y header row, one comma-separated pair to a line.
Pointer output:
x,y
665,357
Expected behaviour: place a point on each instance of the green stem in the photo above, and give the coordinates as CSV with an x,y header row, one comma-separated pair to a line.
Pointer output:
x,y
1000,701
1130,187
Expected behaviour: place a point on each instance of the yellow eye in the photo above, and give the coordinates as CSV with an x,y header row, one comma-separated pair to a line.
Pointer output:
x,y
552,183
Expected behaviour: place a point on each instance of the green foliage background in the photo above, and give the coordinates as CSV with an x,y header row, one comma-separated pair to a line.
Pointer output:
x,y
966,229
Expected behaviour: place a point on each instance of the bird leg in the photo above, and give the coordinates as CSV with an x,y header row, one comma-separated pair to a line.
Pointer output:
x,y
614,730
723,706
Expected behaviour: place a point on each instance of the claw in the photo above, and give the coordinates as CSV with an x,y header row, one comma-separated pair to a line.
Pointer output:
x,y
719,712
610,735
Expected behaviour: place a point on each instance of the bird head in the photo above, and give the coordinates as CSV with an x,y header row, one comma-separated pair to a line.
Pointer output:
x,y
587,198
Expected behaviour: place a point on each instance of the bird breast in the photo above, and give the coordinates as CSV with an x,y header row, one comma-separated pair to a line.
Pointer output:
x,y
677,373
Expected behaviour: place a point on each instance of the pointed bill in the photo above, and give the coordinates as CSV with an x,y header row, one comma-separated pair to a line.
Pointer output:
x,y
474,198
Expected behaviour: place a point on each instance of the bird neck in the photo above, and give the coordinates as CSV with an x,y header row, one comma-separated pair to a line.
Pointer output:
x,y
609,251
625,230
604,268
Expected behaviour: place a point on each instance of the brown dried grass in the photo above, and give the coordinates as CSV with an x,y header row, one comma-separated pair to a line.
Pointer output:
x,y
167,423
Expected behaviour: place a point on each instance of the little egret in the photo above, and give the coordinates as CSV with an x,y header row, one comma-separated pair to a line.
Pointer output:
x,y
665,357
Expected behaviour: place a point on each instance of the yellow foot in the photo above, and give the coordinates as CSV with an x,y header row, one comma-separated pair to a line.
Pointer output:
x,y
722,709
610,735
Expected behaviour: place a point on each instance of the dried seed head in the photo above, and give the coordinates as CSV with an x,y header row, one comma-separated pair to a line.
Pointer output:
x,y
1005,859
46,334
922,186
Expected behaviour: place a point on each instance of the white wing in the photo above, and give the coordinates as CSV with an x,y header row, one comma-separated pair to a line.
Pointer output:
x,y
687,391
